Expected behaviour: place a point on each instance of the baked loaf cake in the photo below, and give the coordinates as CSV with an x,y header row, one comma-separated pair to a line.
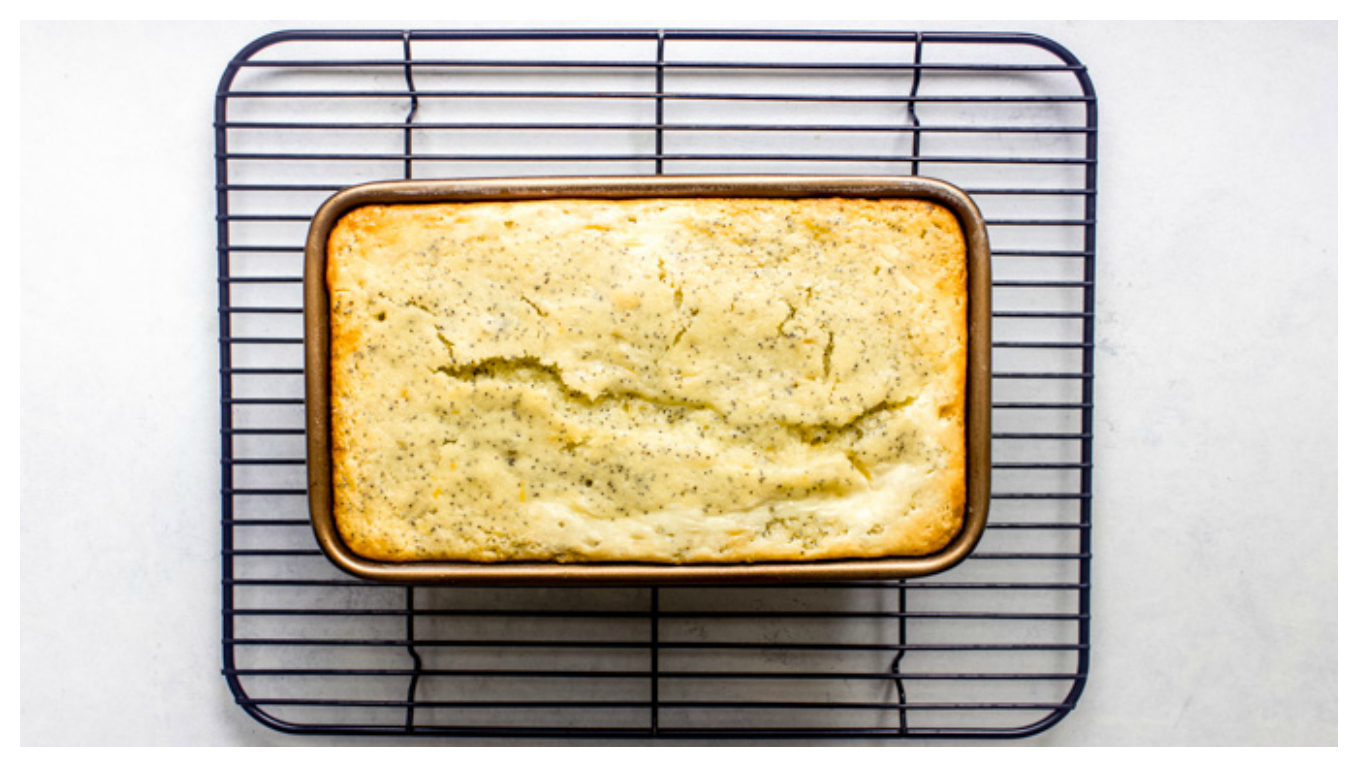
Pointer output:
x,y
658,380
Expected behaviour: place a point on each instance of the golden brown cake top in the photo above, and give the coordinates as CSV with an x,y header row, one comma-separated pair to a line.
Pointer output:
x,y
686,380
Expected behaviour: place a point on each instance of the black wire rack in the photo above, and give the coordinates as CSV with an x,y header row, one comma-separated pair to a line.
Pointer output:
x,y
997,647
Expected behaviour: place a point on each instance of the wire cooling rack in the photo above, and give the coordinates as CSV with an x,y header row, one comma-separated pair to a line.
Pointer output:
x,y
997,647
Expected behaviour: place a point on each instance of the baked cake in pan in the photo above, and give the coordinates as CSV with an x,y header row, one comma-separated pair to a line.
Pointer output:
x,y
696,380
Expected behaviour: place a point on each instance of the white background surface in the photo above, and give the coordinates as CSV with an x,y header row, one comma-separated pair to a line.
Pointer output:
x,y
1216,482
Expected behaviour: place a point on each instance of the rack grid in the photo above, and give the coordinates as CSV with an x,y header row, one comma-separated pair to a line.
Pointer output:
x,y
996,647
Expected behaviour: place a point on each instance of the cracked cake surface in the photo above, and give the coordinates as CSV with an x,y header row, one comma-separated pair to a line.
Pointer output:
x,y
659,380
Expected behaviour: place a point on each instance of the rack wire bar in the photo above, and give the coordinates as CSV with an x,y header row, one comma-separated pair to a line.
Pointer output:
x,y
997,647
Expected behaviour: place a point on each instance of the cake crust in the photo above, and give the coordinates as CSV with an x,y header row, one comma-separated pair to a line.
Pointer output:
x,y
660,380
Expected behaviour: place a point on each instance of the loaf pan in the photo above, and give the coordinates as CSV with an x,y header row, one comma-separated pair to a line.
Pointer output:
x,y
318,409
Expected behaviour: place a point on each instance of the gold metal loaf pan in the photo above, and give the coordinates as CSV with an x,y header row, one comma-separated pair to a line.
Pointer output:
x,y
318,404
